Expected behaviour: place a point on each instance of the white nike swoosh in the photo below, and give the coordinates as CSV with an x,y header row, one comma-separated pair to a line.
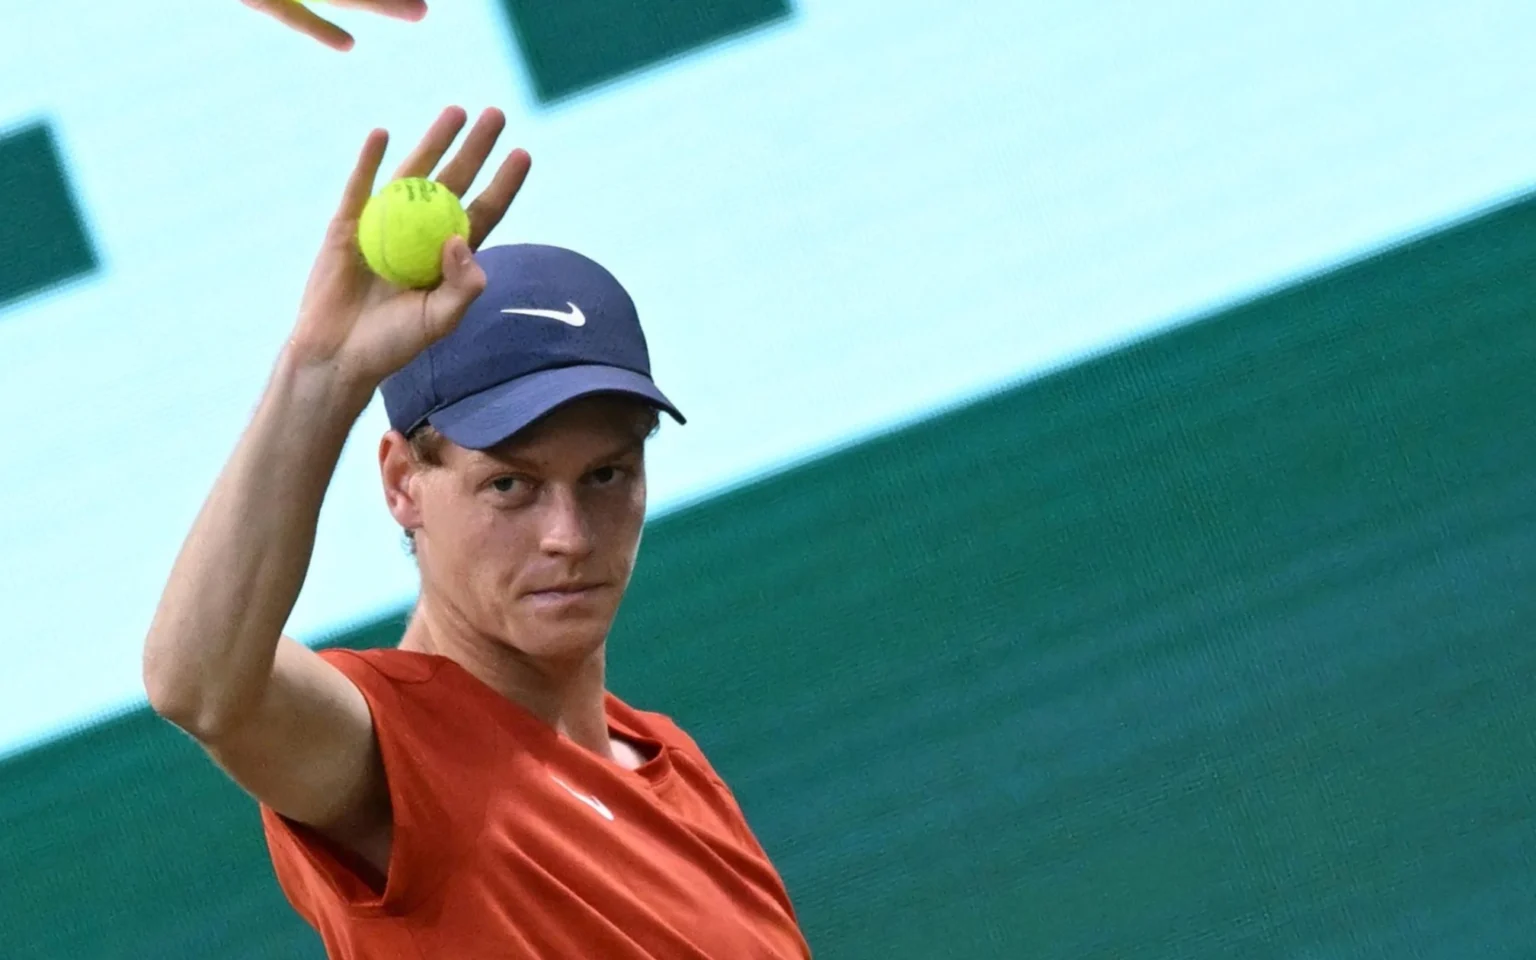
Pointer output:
x,y
573,317
592,802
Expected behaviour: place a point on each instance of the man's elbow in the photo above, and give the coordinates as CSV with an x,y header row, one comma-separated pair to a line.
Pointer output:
x,y
183,699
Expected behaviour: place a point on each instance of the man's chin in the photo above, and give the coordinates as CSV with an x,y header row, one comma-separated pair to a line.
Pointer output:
x,y
564,635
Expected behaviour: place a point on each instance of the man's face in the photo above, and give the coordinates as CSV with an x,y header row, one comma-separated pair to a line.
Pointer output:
x,y
531,544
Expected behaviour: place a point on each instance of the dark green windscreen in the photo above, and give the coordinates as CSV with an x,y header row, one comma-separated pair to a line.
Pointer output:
x,y
1217,646
43,240
571,46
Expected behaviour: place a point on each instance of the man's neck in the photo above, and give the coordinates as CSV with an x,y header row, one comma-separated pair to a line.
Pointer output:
x,y
566,695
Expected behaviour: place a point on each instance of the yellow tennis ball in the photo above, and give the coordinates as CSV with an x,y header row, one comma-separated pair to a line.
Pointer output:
x,y
403,229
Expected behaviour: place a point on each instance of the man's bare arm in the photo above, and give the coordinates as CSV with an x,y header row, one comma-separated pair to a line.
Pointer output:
x,y
288,726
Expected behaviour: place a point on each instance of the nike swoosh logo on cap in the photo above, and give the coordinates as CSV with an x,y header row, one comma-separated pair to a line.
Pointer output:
x,y
573,317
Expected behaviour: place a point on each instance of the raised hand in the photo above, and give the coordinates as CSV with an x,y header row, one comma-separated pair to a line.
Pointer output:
x,y
305,20
359,324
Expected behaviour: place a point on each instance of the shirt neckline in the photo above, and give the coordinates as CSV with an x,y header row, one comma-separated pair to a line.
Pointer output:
x,y
656,769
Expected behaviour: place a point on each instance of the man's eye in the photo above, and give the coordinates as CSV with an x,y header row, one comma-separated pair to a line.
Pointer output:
x,y
504,484
603,476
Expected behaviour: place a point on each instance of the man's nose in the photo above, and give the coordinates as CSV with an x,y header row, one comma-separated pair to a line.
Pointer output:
x,y
566,530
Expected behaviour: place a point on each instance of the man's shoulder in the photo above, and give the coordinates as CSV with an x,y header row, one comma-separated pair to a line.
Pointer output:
x,y
416,701
403,687
643,721
399,666
652,725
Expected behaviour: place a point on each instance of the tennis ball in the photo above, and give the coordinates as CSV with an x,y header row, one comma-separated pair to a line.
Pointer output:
x,y
403,229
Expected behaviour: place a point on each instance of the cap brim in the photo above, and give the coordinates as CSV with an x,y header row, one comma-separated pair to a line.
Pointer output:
x,y
484,419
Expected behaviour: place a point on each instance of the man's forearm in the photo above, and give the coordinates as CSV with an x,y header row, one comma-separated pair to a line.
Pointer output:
x,y
210,647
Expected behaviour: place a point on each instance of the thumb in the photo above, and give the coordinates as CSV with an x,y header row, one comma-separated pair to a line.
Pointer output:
x,y
463,279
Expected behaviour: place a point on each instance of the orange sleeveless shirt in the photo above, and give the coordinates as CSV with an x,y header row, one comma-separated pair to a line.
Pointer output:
x,y
510,841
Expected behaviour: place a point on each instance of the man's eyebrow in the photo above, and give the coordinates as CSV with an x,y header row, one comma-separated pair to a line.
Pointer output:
x,y
630,447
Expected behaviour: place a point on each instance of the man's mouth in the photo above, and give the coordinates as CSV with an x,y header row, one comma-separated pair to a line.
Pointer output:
x,y
577,587
564,592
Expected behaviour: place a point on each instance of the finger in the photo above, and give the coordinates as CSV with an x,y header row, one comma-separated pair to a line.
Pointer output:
x,y
360,184
439,137
462,282
399,9
465,165
487,209
294,14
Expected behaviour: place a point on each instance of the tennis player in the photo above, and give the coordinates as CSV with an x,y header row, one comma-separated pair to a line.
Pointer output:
x,y
477,791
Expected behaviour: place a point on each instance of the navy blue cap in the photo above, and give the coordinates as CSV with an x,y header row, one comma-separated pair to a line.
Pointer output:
x,y
550,327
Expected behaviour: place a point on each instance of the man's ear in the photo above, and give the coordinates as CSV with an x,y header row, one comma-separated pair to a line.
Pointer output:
x,y
400,470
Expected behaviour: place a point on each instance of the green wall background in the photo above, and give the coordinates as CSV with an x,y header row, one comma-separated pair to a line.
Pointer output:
x,y
1215,646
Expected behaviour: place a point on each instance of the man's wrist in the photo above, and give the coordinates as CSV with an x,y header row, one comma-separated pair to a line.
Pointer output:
x,y
327,385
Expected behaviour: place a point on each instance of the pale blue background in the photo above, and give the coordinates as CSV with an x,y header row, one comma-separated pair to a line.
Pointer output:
x,y
866,213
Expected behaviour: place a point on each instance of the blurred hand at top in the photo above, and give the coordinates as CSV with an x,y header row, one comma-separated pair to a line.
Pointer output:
x,y
304,19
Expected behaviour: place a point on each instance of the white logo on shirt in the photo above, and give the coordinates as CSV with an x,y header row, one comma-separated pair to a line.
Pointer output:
x,y
592,802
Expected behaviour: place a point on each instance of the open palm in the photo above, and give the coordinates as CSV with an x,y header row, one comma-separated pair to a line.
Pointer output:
x,y
352,319
305,20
